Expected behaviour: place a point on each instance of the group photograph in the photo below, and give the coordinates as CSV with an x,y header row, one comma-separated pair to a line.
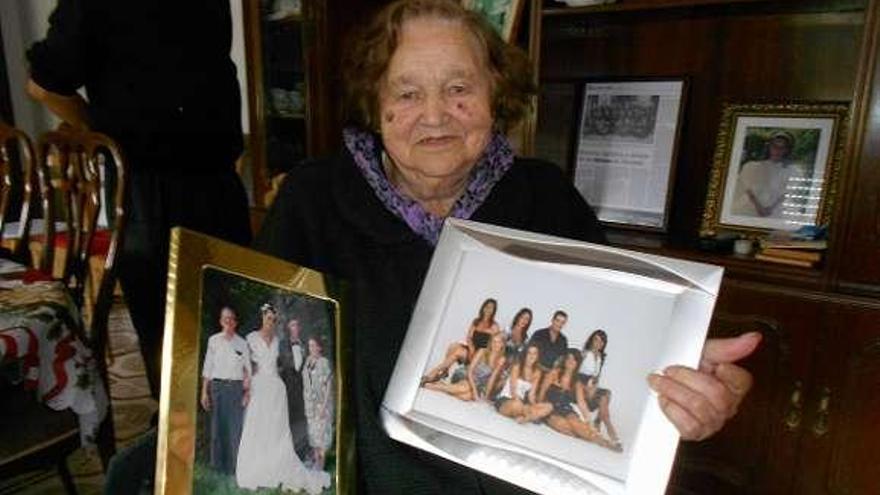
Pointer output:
x,y
550,359
267,391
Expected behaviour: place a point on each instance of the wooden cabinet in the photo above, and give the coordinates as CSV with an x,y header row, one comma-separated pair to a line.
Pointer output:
x,y
294,52
280,95
812,423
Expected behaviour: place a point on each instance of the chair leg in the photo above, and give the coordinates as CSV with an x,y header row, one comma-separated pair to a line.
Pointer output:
x,y
66,478
106,439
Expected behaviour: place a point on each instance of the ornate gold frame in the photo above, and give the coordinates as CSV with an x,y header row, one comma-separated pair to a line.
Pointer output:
x,y
839,112
190,253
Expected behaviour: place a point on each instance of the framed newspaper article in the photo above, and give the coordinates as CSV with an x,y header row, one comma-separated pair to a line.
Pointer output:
x,y
527,356
254,390
626,149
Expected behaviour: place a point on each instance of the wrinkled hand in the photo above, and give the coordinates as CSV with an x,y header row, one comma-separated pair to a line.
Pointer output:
x,y
699,402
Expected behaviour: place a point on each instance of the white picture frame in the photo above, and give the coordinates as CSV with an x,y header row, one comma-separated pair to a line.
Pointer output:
x,y
599,287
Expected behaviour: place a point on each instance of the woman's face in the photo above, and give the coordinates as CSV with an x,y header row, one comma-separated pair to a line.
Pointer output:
x,y
497,342
488,309
314,348
531,356
597,343
268,318
570,362
435,102
524,321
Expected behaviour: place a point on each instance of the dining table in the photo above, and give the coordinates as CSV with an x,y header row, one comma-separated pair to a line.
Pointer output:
x,y
43,342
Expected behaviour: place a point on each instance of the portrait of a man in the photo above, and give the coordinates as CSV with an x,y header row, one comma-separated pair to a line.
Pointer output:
x,y
766,187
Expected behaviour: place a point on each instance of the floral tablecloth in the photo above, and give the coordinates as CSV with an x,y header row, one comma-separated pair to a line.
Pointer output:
x,y
36,326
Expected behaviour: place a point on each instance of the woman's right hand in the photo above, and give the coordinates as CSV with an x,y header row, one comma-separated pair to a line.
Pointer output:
x,y
206,400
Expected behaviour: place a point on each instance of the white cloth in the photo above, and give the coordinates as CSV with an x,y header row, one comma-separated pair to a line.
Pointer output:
x,y
591,364
265,456
522,389
769,181
297,351
226,359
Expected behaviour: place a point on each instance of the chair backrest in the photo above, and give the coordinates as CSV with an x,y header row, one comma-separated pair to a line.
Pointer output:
x,y
71,181
16,174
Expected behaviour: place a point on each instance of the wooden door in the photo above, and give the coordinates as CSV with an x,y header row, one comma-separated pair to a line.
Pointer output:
x,y
841,434
757,450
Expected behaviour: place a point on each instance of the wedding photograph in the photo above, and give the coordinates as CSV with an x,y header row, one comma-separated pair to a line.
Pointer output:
x,y
267,393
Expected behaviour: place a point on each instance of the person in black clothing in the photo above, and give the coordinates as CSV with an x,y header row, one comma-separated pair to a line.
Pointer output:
x,y
431,88
292,353
160,82
550,341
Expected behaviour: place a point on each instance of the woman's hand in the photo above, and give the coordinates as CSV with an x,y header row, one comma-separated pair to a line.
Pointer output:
x,y
699,402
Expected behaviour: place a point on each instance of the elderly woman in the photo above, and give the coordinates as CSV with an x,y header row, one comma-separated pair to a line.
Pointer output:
x,y
431,90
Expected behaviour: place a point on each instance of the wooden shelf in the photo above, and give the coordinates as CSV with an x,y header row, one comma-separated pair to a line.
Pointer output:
x,y
287,19
736,266
558,9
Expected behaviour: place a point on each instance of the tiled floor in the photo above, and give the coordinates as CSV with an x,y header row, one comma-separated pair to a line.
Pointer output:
x,y
132,410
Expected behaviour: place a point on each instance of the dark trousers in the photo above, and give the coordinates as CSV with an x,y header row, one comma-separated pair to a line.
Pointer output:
x,y
297,415
214,203
131,469
227,419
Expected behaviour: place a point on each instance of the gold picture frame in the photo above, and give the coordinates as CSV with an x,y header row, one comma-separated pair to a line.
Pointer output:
x,y
775,167
208,276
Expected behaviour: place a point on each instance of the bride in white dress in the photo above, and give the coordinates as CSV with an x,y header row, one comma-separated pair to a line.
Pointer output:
x,y
265,456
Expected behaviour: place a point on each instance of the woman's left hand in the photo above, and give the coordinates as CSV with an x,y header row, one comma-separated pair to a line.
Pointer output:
x,y
699,402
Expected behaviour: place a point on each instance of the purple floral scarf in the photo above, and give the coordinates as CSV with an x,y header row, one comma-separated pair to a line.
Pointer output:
x,y
366,149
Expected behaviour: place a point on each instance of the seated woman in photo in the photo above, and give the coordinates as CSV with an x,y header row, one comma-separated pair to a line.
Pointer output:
x,y
484,374
519,333
519,397
593,360
482,328
570,415
590,398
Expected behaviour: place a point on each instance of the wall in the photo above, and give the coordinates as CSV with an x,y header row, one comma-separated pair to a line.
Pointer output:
x,y
25,21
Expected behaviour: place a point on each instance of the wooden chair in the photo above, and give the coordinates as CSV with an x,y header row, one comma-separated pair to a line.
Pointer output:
x,y
16,186
71,183
33,435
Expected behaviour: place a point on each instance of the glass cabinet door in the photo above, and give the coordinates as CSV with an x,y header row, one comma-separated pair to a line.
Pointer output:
x,y
277,91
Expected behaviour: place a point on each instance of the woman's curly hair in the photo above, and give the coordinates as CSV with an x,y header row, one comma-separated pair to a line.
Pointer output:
x,y
371,48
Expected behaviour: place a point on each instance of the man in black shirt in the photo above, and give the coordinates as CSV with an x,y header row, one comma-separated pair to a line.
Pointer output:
x,y
160,82
550,341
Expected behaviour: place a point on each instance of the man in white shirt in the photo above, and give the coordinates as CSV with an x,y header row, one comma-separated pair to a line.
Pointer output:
x,y
225,383
291,359
762,185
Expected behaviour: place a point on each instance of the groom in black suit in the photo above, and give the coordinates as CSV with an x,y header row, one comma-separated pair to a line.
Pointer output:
x,y
291,359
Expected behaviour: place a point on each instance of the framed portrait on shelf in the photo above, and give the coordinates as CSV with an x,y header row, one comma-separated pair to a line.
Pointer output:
x,y
775,167
626,149
503,15
254,389
515,381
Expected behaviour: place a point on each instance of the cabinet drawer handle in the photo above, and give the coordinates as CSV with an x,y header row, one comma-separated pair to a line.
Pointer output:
x,y
820,427
794,414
